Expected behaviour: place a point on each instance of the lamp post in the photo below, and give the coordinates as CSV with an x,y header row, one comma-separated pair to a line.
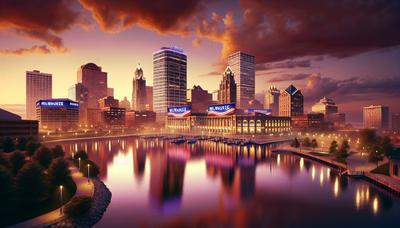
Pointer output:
x,y
79,164
88,173
61,199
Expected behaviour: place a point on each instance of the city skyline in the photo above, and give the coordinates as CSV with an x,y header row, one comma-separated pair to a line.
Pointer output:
x,y
354,77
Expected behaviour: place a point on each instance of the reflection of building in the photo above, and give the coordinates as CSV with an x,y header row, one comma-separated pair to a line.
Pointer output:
x,y
12,126
376,117
38,86
139,95
139,161
243,67
169,66
271,100
227,88
57,114
199,99
91,76
291,102
396,121
79,93
108,102
139,118
125,104
310,121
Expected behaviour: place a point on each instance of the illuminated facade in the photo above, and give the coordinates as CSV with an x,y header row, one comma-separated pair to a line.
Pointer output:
x,y
57,114
376,117
271,100
227,87
139,95
199,99
91,76
291,102
38,86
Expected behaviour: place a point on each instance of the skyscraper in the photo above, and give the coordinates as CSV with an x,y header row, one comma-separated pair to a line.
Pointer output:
x,y
271,100
243,67
169,66
376,116
79,93
91,76
139,90
227,88
38,86
291,102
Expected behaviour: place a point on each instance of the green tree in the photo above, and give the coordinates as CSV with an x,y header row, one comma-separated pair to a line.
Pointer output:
x,y
295,143
8,145
59,173
6,190
31,184
17,160
343,152
57,152
314,143
43,156
306,142
31,147
333,149
21,143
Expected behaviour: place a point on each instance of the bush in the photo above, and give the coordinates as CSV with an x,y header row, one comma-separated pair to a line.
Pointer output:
x,y
81,154
8,145
333,149
31,184
6,190
43,156
57,152
17,160
31,147
3,161
306,142
295,143
314,143
22,143
59,173
78,206
343,152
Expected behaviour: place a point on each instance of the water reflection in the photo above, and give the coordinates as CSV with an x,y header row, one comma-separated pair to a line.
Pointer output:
x,y
155,182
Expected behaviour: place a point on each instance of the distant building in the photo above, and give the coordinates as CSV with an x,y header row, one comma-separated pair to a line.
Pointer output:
x,y
57,114
139,118
113,117
227,88
110,92
11,125
125,104
271,100
255,104
243,67
330,110
149,98
38,86
80,93
108,102
313,121
94,118
199,99
291,102
169,71
396,121
338,119
376,117
95,80
139,95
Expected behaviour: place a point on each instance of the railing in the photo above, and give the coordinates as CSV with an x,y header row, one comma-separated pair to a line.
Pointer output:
x,y
383,182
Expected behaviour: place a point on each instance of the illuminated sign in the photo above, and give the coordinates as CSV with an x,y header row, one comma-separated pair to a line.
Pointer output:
x,y
57,104
266,112
180,111
221,109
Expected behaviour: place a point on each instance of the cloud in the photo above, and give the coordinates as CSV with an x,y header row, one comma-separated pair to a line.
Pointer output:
x,y
41,20
22,51
159,15
212,73
289,64
276,30
289,77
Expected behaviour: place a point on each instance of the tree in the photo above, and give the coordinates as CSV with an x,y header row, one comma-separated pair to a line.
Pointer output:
x,y
81,154
57,152
78,206
8,145
344,151
333,149
6,190
376,155
386,146
17,160
59,173
22,143
94,170
31,184
295,143
31,147
314,143
43,156
306,142
368,138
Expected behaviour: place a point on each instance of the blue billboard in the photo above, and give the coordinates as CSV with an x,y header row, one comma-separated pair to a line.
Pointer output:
x,y
266,112
221,109
57,103
180,111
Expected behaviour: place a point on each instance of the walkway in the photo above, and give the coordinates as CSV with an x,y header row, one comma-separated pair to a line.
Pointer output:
x,y
82,189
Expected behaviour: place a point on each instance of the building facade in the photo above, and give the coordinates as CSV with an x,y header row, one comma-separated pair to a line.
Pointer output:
x,y
38,86
149,98
57,114
80,93
314,121
125,104
108,102
227,88
95,80
271,100
376,116
11,125
139,118
199,99
113,117
243,67
170,78
396,121
291,102
139,95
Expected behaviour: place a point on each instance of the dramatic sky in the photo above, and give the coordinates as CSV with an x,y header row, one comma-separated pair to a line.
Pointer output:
x,y
344,49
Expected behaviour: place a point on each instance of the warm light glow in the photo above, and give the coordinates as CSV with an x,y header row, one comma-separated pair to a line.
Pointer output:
x,y
301,164
375,205
336,187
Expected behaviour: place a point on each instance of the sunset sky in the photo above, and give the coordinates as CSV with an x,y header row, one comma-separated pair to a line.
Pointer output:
x,y
345,50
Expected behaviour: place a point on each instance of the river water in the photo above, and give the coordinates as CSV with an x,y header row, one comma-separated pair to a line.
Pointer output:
x,y
155,183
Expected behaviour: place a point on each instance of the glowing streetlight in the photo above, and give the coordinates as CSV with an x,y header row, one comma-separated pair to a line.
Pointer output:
x,y
79,163
88,173
61,199
73,155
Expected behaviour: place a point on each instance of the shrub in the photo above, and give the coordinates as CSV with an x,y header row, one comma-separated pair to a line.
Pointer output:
x,y
17,160
78,206
3,161
8,145
57,152
343,151
31,147
58,172
314,143
333,149
295,143
43,156
21,143
6,189
306,142
31,183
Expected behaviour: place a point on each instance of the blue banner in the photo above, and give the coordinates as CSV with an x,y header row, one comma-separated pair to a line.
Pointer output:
x,y
221,109
57,104
180,111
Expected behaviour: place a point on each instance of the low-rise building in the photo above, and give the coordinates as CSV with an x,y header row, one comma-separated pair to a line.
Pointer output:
x,y
376,117
57,114
113,117
139,118
11,125
394,165
309,122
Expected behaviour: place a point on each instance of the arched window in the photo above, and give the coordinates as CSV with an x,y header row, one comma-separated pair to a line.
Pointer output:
x,y
239,126
245,127
258,126
252,126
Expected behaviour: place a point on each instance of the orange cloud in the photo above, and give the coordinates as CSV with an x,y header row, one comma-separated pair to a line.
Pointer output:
x,y
23,51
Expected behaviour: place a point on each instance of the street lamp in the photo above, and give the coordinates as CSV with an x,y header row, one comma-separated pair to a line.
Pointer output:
x,y
79,162
61,199
88,173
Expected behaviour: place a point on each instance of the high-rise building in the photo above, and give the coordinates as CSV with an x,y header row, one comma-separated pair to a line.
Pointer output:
x,y
271,100
199,99
38,86
169,66
396,121
108,102
125,104
91,76
376,116
149,98
243,67
110,92
139,97
227,88
79,93
291,102
57,114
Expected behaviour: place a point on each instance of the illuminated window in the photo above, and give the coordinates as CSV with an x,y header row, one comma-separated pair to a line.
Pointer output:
x,y
245,126
258,126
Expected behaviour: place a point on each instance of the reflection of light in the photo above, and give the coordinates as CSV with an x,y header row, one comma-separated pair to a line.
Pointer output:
x,y
313,172
301,164
328,173
321,177
109,145
76,147
358,198
375,205
278,159
95,146
336,187
367,194
252,151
